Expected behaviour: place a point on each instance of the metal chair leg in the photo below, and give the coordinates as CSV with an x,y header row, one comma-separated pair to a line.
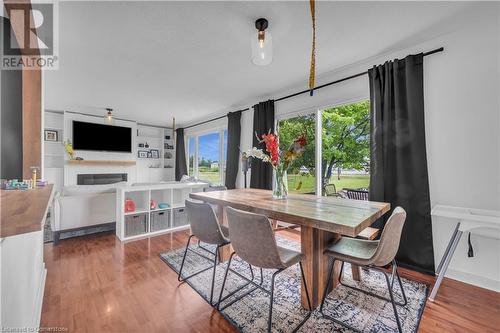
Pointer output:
x,y
271,300
305,286
224,280
179,276
213,274
393,302
329,279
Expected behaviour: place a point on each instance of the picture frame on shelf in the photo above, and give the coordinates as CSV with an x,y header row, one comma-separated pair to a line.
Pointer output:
x,y
155,153
142,153
51,135
149,154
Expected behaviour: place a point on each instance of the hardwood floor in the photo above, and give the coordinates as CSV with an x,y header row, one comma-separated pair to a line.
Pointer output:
x,y
98,284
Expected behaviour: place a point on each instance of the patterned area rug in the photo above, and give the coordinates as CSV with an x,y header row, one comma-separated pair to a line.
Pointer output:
x,y
364,312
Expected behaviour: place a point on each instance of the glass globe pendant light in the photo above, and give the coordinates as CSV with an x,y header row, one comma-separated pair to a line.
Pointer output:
x,y
262,44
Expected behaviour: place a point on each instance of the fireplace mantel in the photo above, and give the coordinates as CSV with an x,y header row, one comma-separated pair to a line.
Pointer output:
x,y
102,162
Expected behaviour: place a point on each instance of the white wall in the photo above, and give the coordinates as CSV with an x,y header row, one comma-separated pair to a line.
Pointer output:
x,y
461,89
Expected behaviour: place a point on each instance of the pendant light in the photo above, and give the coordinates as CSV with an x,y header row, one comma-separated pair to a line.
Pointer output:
x,y
108,118
262,44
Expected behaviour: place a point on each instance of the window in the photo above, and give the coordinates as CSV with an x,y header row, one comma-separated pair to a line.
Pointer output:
x,y
207,156
301,175
346,148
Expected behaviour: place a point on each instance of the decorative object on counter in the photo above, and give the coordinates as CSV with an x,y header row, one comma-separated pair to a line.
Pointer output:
x,y
141,145
152,204
41,183
34,171
146,145
129,205
68,146
78,158
163,205
142,154
279,163
15,184
155,153
51,135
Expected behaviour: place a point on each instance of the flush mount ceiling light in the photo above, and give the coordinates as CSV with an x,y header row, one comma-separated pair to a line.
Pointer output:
x,y
262,44
109,116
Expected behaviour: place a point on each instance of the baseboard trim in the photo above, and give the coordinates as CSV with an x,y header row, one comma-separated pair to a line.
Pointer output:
x,y
473,279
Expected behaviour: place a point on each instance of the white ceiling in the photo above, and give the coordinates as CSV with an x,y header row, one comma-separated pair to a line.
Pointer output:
x,y
152,61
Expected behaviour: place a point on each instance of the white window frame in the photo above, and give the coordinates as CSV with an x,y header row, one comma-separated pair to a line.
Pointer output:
x,y
222,158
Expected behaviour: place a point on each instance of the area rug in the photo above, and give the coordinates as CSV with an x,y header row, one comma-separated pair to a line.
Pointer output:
x,y
361,311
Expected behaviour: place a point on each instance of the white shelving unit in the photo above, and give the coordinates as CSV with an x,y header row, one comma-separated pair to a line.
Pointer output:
x,y
53,151
155,169
144,222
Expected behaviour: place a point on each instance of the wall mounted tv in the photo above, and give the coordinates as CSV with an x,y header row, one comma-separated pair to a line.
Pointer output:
x,y
99,137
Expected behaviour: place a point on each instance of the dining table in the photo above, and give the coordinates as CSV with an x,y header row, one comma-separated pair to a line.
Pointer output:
x,y
322,220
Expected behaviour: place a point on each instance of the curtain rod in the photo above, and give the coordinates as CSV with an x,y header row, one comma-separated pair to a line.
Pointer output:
x,y
440,49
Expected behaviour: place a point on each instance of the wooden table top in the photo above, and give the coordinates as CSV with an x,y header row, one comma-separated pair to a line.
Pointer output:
x,y
23,211
344,216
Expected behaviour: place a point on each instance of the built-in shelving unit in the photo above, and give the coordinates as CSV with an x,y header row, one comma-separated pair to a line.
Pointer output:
x,y
146,221
159,139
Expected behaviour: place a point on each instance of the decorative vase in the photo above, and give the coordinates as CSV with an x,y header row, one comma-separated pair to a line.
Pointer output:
x,y
280,184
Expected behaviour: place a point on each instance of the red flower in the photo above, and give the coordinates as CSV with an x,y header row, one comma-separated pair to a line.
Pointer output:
x,y
272,147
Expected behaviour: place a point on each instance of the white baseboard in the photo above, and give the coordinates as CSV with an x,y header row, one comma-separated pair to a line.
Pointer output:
x,y
473,279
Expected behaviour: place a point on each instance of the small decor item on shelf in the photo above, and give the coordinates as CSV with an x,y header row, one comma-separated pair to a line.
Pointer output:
x,y
141,145
129,206
34,170
155,153
280,162
142,153
163,205
146,145
14,184
152,204
68,146
50,135
167,137
167,155
149,154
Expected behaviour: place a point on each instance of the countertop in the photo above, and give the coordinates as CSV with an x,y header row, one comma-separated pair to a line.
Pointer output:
x,y
24,211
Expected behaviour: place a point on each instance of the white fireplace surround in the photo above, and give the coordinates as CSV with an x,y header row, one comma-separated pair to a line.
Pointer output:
x,y
71,172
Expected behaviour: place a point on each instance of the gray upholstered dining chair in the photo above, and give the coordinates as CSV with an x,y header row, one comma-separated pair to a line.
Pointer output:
x,y
205,227
253,241
372,255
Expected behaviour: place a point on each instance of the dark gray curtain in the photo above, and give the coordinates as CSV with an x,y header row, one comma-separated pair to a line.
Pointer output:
x,y
180,155
233,148
261,175
398,171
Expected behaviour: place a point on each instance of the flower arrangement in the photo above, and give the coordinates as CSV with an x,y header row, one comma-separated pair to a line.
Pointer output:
x,y
68,146
280,161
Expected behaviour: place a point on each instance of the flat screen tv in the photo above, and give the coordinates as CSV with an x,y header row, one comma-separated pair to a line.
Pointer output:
x,y
99,137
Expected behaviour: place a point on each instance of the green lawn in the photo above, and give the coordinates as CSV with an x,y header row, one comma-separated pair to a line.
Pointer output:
x,y
356,181
211,176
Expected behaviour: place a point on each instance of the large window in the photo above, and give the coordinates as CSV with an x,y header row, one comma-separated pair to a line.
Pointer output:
x,y
346,148
302,174
207,156
344,152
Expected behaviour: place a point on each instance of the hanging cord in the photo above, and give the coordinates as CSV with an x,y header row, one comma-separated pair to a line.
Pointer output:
x,y
470,253
313,51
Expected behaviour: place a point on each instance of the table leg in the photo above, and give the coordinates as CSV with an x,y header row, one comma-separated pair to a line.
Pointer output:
x,y
356,273
224,251
315,264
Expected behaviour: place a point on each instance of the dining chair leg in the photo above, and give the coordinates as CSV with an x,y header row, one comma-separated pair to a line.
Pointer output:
x,y
405,301
305,286
224,280
213,274
179,276
328,279
394,307
271,300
